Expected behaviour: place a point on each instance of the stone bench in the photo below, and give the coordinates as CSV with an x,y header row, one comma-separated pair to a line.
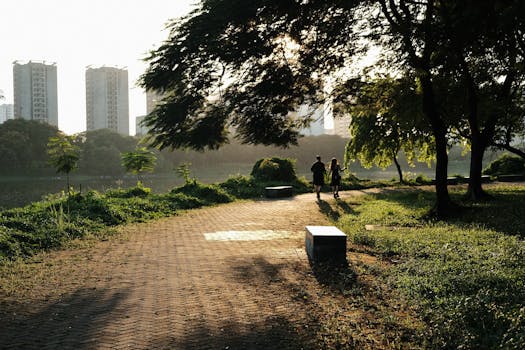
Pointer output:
x,y
325,243
278,191
511,178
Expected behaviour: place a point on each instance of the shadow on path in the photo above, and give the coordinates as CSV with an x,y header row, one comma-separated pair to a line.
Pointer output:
x,y
273,333
336,210
75,322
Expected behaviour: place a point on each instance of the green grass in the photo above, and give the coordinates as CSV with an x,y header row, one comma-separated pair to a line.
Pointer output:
x,y
54,222
466,277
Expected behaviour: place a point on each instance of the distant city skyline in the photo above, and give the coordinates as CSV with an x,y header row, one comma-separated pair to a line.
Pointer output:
x,y
76,34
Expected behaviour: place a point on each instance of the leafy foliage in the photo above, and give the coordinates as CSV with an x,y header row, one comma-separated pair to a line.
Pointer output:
x,y
23,146
101,151
249,187
242,54
274,169
139,161
63,154
386,118
205,194
505,165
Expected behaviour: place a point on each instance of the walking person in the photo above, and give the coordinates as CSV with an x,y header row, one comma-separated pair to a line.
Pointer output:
x,y
319,171
335,177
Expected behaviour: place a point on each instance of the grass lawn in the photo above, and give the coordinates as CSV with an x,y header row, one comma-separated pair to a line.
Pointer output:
x,y
465,278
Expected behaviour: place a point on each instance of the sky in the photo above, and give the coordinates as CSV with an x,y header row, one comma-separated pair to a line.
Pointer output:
x,y
78,33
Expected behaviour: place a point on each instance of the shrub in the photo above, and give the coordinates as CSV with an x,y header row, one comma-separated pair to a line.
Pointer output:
x,y
504,165
137,191
208,194
242,187
274,169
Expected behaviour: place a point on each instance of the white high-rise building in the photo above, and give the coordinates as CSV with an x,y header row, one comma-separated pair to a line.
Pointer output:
x,y
152,99
107,99
35,91
6,112
342,126
317,116
140,130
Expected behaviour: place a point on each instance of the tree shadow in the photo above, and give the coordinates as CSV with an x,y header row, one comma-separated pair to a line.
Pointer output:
x,y
288,321
273,333
503,212
72,322
339,277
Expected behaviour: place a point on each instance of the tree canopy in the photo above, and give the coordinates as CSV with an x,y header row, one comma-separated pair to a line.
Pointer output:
x,y
386,118
23,145
138,161
239,65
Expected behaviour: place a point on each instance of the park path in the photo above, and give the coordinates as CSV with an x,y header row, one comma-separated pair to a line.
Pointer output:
x,y
234,276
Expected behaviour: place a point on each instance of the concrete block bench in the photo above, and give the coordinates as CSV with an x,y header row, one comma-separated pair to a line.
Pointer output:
x,y
511,178
278,191
325,243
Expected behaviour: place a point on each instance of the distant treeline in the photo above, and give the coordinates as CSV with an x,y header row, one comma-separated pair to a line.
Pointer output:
x,y
23,147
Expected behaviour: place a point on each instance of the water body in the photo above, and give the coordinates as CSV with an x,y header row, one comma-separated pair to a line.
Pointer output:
x,y
22,190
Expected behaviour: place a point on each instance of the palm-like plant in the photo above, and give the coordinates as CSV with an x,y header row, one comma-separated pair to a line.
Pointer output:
x,y
139,161
63,154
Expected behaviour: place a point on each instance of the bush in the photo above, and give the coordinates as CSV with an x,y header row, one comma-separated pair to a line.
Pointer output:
x,y
274,169
506,165
242,187
208,194
137,191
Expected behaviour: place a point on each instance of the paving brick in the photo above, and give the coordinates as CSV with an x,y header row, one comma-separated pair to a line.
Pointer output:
x,y
164,286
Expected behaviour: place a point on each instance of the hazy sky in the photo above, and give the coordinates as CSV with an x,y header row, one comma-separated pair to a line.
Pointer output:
x,y
78,33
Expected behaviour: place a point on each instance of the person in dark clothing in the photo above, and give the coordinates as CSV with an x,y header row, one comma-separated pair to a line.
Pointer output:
x,y
335,177
319,171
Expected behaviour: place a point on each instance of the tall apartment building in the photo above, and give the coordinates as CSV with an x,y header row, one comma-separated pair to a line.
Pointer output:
x,y
6,112
342,126
152,98
140,130
35,91
316,127
107,99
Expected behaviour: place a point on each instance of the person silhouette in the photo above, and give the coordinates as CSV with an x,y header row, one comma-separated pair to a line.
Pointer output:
x,y
319,170
335,177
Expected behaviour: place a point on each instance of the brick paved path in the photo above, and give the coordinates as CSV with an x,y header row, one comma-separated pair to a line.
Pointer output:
x,y
167,285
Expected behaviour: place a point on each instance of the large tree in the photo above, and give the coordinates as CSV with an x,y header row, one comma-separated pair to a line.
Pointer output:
x,y
247,65
483,59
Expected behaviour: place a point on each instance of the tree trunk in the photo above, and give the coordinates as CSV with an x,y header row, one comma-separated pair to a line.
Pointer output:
x,y
399,172
477,136
444,206
475,191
